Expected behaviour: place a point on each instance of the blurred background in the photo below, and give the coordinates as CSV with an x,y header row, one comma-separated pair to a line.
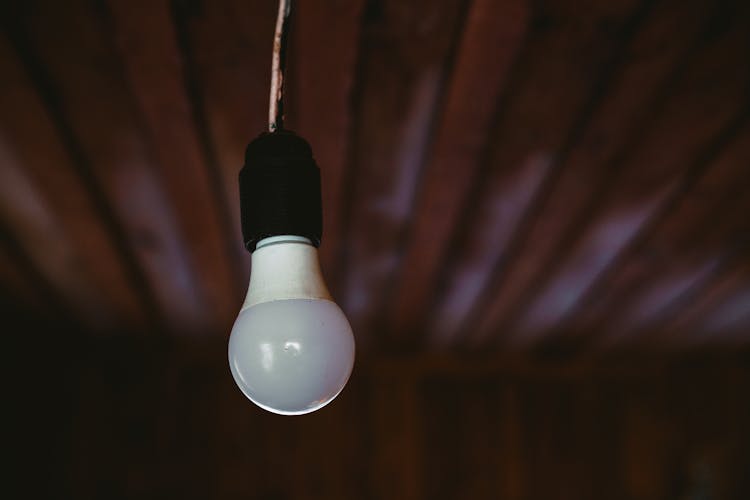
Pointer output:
x,y
536,215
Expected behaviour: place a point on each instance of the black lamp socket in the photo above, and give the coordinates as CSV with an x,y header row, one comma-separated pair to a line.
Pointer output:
x,y
280,189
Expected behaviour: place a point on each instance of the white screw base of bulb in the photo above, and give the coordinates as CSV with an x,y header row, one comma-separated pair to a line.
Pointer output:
x,y
285,267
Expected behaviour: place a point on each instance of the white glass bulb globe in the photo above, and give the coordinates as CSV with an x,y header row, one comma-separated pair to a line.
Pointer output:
x,y
291,349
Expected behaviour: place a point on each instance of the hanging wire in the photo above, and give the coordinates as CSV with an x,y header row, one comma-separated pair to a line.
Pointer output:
x,y
278,63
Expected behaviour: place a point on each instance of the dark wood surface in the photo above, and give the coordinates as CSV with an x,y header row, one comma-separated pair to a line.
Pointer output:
x,y
155,421
537,218
552,176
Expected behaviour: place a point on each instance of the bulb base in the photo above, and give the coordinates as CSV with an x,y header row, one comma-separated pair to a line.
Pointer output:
x,y
285,270
280,190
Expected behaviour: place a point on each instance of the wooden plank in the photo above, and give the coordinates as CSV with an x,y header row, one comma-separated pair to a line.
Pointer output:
x,y
35,226
727,297
597,430
650,441
734,481
718,316
51,208
685,251
455,160
512,470
191,434
681,143
550,94
341,433
395,466
678,324
726,323
551,449
148,46
22,287
241,439
462,463
480,437
664,207
323,49
405,59
227,50
588,166
75,60
708,437
16,289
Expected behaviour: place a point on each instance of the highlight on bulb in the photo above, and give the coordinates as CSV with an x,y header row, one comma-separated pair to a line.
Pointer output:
x,y
291,356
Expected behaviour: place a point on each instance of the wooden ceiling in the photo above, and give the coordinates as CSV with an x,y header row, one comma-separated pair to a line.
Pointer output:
x,y
554,175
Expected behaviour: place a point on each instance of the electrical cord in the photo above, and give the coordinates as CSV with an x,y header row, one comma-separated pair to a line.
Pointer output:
x,y
278,64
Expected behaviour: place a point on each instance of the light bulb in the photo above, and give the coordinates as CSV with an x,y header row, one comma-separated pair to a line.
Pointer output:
x,y
291,350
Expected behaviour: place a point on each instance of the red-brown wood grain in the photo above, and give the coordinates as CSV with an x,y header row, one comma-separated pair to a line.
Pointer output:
x,y
547,175
685,251
468,460
455,159
702,116
74,45
336,438
34,223
20,280
548,91
181,428
51,208
651,448
148,47
720,316
535,215
227,49
396,467
324,56
644,76
403,68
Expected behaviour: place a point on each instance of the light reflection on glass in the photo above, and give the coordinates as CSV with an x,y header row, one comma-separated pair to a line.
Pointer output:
x,y
294,346
266,350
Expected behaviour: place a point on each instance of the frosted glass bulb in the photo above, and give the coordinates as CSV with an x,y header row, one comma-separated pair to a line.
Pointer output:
x,y
291,350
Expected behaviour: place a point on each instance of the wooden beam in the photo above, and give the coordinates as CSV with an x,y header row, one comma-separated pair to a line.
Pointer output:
x,y
35,226
551,450
681,143
325,36
227,50
722,316
650,443
635,95
471,459
665,206
550,96
493,30
343,433
16,289
396,424
52,212
76,64
684,253
148,46
405,60
598,408
437,435
23,286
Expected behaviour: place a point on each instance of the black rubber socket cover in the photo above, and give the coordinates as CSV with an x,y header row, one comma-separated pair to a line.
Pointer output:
x,y
280,189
